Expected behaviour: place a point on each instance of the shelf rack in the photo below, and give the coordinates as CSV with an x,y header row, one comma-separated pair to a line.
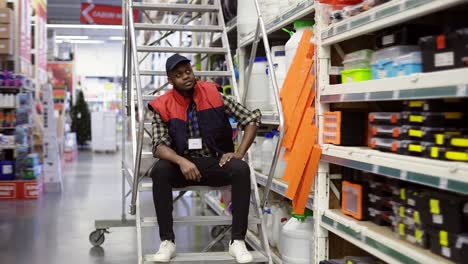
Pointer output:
x,y
380,241
289,16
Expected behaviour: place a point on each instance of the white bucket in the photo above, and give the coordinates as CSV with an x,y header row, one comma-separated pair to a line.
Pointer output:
x,y
296,241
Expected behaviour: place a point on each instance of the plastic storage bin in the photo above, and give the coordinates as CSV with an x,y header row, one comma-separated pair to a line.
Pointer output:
x,y
385,144
444,52
448,154
358,59
383,61
385,118
435,119
352,124
408,64
354,201
356,75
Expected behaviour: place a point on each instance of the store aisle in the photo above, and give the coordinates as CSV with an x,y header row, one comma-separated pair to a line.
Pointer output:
x,y
55,228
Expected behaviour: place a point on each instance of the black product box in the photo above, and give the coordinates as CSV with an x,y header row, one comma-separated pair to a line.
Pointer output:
x,y
387,188
436,105
403,35
384,131
385,144
353,128
381,217
449,245
414,148
444,52
444,211
385,118
452,140
450,154
407,215
378,202
435,119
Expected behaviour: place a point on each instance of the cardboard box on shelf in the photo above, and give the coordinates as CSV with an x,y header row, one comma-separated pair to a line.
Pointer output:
x,y
6,46
6,16
5,31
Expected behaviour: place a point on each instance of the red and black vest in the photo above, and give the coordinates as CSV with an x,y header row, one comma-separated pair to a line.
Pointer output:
x,y
215,129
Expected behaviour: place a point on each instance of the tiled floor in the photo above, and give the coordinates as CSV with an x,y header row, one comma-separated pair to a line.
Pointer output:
x,y
55,228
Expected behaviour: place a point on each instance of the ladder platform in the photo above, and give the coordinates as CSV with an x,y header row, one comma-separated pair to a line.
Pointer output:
x,y
175,7
208,257
197,220
165,27
197,73
148,187
181,50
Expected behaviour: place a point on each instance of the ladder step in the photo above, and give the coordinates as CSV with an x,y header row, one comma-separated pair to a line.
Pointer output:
x,y
165,27
197,73
197,220
148,187
175,7
181,50
147,97
209,257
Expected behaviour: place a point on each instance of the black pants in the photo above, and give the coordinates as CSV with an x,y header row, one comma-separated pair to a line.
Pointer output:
x,y
167,175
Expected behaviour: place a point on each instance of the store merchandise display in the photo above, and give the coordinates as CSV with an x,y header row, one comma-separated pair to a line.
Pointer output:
x,y
21,167
432,128
422,216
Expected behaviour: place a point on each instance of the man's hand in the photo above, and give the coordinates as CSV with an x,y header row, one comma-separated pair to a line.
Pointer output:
x,y
228,156
189,170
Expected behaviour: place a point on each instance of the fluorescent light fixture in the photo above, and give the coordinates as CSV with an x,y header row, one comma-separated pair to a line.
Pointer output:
x,y
84,26
59,41
116,38
72,37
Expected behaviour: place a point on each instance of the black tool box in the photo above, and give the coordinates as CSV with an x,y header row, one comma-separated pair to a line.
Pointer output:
x,y
449,245
435,119
451,154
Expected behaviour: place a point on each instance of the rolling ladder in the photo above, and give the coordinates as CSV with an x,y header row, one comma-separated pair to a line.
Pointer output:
x,y
134,103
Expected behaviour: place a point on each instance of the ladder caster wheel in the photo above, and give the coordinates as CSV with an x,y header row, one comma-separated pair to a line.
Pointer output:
x,y
97,237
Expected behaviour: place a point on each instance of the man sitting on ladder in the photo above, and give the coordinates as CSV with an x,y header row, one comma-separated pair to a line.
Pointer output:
x,y
192,138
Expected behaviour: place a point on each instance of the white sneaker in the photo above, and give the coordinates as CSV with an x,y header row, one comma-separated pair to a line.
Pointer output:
x,y
167,250
238,250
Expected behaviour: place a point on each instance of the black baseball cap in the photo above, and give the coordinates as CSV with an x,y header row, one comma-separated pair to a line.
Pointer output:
x,y
173,60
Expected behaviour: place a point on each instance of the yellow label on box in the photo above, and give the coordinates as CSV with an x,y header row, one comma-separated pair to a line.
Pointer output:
x,y
402,193
418,235
349,262
434,205
453,115
401,228
416,103
458,156
416,118
443,238
434,152
459,142
416,148
402,211
440,139
416,217
415,133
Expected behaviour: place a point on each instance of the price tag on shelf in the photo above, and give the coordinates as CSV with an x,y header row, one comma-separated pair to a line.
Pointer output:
x,y
462,90
443,183
403,175
375,169
335,224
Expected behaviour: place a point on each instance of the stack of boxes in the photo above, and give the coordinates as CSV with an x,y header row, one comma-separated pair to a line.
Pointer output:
x,y
6,29
428,218
433,129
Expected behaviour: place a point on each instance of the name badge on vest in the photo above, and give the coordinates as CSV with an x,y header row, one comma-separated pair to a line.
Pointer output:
x,y
194,143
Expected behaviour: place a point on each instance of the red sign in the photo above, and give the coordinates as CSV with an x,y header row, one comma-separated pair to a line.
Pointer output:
x,y
103,14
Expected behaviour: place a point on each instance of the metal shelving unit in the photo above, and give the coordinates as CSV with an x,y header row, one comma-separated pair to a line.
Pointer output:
x,y
289,16
380,241
445,175
388,14
443,84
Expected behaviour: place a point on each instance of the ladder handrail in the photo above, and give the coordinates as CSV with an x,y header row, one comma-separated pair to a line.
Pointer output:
x,y
261,25
141,119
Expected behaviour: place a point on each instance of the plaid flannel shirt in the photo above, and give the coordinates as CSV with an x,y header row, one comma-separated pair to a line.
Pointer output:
x,y
232,108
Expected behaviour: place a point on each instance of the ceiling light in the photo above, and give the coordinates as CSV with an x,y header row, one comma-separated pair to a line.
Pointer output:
x,y
86,41
84,26
72,37
116,38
